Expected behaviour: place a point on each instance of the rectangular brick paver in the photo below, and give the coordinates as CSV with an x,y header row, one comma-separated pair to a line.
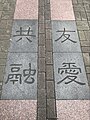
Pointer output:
x,y
45,110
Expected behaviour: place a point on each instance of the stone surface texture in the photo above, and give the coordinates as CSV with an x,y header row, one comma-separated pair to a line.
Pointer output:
x,y
82,16
20,90
45,107
26,9
73,110
61,11
62,44
29,41
7,8
46,92
73,90
18,109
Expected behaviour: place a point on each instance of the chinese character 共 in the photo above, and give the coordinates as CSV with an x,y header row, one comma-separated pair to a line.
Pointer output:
x,y
24,33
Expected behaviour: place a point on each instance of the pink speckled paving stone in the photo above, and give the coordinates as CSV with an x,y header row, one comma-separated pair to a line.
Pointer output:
x,y
62,10
18,109
73,110
26,9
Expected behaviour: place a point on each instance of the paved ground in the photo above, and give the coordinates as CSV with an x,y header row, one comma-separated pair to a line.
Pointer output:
x,y
44,59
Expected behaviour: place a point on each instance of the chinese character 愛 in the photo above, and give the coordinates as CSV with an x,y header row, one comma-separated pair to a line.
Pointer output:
x,y
66,36
15,76
71,71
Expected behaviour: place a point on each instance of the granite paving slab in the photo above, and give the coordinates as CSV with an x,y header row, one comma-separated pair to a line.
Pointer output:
x,y
26,9
18,109
65,36
70,77
62,10
24,36
20,81
73,109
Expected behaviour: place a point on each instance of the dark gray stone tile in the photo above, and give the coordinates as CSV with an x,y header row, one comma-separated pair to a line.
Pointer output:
x,y
86,1
88,15
82,35
82,25
65,36
77,15
41,80
41,64
80,1
3,55
41,3
2,72
48,34
49,45
51,109
41,28
3,62
86,49
41,98
23,69
49,57
2,1
50,89
88,76
74,1
7,15
24,36
41,114
79,8
4,46
83,16
87,7
41,51
8,6
1,6
70,76
41,39
49,72
41,18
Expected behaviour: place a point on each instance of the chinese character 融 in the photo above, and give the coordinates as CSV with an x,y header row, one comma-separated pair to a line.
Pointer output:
x,y
65,36
29,73
71,71
24,33
15,76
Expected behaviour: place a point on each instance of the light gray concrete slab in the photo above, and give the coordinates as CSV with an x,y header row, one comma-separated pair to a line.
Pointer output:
x,y
24,37
18,68
70,76
65,36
